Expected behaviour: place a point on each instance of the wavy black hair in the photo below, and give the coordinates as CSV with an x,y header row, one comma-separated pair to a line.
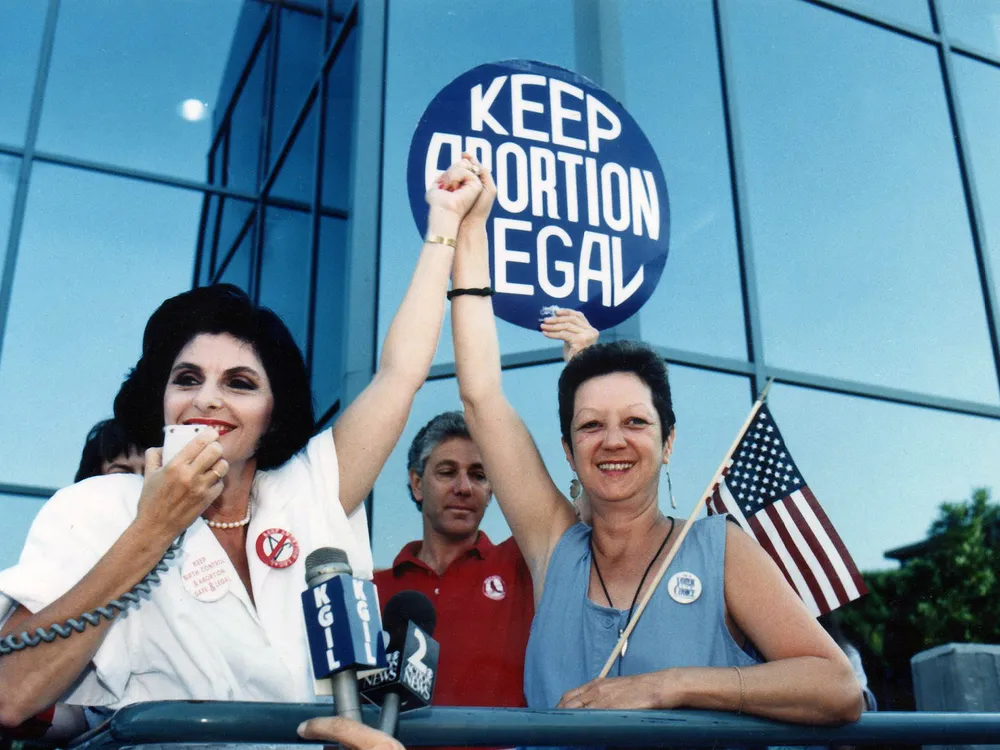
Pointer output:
x,y
611,357
215,309
105,442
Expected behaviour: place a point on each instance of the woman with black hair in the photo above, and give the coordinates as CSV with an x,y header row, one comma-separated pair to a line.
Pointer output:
x,y
108,450
723,630
254,492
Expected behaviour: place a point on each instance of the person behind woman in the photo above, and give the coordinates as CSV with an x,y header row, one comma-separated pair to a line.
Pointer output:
x,y
253,492
618,431
108,450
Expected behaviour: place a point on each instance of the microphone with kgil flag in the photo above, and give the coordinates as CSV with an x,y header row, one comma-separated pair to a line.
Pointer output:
x,y
760,486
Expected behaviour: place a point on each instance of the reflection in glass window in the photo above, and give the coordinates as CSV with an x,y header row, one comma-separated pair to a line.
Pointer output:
x,y
298,171
237,268
339,122
246,129
284,273
979,96
232,225
417,69
98,254
299,46
328,338
975,23
672,89
912,12
857,217
10,169
18,511
880,470
112,98
21,27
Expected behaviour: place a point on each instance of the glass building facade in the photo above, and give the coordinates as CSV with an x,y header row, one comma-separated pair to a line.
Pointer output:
x,y
834,177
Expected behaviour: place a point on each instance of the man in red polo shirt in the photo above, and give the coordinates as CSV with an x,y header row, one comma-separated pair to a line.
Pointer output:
x,y
482,592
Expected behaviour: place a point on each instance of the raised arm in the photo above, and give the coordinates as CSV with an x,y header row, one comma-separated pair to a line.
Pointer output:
x,y
536,511
806,678
367,431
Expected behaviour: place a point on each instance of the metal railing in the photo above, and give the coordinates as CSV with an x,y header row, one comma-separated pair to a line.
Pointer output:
x,y
275,723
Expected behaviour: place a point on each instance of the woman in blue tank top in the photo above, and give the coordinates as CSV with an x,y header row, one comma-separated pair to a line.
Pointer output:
x,y
722,593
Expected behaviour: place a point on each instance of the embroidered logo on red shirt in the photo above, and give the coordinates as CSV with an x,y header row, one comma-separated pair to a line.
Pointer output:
x,y
494,589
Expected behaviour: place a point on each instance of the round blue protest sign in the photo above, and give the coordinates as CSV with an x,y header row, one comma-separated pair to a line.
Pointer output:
x,y
581,218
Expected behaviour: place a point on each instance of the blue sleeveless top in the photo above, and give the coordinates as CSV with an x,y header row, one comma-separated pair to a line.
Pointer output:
x,y
572,637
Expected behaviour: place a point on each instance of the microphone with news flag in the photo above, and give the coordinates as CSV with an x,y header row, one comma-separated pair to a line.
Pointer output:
x,y
408,683
342,625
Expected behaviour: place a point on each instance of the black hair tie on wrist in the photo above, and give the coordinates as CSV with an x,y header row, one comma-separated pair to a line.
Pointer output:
x,y
486,291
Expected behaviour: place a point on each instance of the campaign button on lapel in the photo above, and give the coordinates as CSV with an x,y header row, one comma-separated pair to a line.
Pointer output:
x,y
684,587
277,548
207,578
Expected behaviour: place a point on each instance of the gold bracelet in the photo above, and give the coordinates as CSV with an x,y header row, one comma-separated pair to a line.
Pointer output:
x,y
437,239
743,692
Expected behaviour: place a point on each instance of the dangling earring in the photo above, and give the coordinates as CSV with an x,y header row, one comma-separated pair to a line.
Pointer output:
x,y
670,489
575,488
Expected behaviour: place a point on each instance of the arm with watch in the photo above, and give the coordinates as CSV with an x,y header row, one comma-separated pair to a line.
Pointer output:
x,y
367,431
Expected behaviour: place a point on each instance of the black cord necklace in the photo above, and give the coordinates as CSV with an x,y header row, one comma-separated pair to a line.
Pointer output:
x,y
635,598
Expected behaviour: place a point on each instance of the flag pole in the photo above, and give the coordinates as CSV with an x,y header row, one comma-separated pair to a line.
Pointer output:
x,y
683,533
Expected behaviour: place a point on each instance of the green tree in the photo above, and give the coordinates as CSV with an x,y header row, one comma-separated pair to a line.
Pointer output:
x,y
947,594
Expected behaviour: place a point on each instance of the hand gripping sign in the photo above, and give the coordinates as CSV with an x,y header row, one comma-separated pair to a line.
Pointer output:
x,y
581,218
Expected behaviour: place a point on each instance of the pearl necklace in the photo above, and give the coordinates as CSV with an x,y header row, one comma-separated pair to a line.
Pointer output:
x,y
236,524
229,524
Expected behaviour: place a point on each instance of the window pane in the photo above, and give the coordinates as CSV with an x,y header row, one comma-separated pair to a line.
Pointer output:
x,y
284,274
245,129
207,237
340,126
232,224
98,254
237,269
18,511
678,102
299,46
880,470
979,97
10,169
417,68
328,339
297,175
21,26
973,22
112,98
913,12
857,217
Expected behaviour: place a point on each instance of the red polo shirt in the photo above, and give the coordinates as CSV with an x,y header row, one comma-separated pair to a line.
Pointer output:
x,y
484,606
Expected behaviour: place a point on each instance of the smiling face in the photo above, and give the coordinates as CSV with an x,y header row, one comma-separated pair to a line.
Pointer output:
x,y
453,490
618,447
218,380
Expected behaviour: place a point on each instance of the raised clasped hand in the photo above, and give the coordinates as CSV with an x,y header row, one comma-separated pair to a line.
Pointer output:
x,y
460,190
173,496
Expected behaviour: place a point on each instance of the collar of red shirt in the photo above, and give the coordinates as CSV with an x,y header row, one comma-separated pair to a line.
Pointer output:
x,y
408,555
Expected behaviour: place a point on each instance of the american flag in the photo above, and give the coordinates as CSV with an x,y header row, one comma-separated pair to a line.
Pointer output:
x,y
764,491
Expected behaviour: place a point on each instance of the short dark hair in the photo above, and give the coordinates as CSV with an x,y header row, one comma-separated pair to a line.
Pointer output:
x,y
216,309
105,442
610,357
447,425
